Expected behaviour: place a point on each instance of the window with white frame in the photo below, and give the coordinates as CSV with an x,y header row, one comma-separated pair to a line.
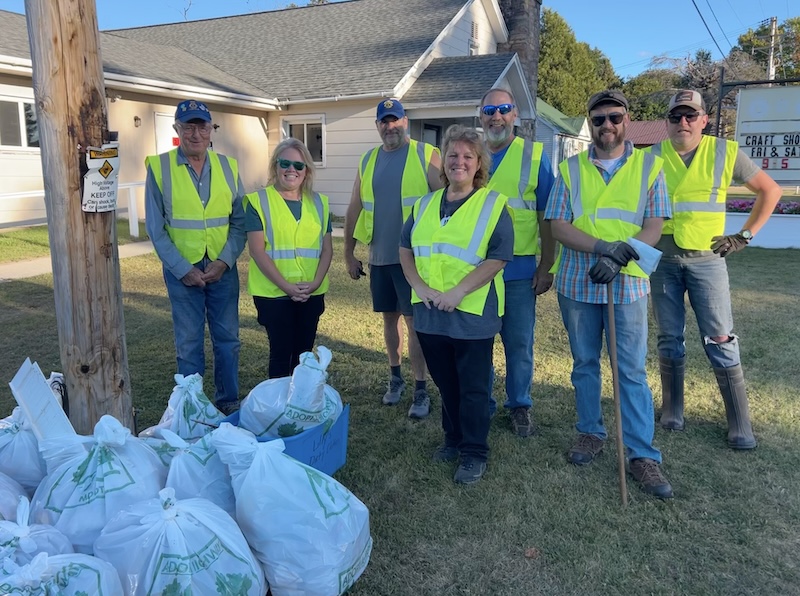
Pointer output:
x,y
309,128
18,127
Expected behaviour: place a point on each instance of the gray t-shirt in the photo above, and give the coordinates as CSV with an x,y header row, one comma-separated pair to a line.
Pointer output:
x,y
387,218
743,171
459,324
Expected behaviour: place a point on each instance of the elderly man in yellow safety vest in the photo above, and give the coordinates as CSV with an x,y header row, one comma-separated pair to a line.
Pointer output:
x,y
195,220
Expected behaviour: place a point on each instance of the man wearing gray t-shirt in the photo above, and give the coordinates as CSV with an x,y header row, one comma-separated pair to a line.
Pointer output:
x,y
390,178
699,169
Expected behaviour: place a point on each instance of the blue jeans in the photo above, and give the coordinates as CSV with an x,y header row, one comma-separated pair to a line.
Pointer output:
x,y
705,279
517,335
219,303
585,324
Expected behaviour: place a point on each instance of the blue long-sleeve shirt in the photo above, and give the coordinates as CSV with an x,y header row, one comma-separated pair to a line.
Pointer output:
x,y
155,222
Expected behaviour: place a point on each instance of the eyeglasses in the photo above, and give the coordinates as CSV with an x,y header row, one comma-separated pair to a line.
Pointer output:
x,y
190,129
503,108
615,117
690,117
285,163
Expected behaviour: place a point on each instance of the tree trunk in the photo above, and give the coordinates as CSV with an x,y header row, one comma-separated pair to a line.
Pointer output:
x,y
71,113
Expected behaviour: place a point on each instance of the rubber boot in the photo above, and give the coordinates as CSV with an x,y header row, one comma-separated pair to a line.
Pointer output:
x,y
734,395
672,374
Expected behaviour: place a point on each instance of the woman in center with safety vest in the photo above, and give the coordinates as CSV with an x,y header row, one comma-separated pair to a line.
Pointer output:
x,y
289,238
453,249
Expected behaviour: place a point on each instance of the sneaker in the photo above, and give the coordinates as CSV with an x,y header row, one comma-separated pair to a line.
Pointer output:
x,y
421,406
521,423
228,407
585,449
469,471
392,395
445,453
648,474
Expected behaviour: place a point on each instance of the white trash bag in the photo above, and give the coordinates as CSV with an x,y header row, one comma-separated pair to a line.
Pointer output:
x,y
189,414
60,575
287,406
197,471
10,492
19,451
170,546
309,531
22,542
91,479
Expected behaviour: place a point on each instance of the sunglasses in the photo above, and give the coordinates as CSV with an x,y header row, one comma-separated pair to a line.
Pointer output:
x,y
690,117
285,163
503,108
615,118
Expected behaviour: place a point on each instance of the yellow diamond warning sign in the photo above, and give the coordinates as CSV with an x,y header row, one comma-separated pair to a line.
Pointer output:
x,y
100,181
106,169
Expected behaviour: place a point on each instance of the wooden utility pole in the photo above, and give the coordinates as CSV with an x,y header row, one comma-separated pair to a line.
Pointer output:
x,y
71,113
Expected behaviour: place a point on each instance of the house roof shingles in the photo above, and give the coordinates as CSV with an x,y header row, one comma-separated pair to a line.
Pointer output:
x,y
647,132
461,78
565,124
366,45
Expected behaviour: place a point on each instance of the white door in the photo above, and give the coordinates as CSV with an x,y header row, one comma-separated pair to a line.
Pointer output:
x,y
166,137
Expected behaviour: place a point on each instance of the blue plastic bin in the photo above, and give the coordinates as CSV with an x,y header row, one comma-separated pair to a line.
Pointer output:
x,y
325,451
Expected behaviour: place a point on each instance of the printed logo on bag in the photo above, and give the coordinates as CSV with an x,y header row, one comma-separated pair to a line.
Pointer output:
x,y
67,576
331,496
349,576
100,473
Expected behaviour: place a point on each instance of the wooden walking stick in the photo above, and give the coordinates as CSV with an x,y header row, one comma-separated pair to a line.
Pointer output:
x,y
612,352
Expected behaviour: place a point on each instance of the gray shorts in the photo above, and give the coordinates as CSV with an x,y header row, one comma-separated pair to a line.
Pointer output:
x,y
389,288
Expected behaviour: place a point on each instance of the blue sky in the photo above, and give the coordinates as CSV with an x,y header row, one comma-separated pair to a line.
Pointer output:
x,y
629,33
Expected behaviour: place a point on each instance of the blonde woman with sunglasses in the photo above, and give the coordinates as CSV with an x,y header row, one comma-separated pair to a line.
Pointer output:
x,y
289,237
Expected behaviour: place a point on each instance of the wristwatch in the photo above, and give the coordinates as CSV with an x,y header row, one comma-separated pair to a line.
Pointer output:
x,y
747,235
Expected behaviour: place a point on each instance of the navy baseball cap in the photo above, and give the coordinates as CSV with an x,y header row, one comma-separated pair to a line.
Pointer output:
x,y
191,109
607,96
390,107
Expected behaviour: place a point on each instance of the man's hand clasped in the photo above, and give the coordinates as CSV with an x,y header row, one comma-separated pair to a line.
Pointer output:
x,y
615,255
726,245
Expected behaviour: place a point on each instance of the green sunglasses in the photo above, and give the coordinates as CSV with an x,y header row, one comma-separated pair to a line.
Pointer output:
x,y
285,163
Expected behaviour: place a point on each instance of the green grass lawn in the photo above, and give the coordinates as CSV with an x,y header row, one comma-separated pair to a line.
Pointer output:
x,y
30,243
731,529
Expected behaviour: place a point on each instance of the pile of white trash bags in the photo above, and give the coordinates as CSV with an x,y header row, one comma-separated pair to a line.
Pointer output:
x,y
194,506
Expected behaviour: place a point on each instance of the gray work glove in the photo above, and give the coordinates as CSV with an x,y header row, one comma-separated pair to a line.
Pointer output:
x,y
619,252
604,271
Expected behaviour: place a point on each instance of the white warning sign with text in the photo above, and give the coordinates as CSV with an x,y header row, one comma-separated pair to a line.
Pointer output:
x,y
100,182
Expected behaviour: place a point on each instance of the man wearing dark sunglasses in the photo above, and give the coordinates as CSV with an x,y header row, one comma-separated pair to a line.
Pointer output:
x,y
699,169
390,178
521,171
195,220
604,197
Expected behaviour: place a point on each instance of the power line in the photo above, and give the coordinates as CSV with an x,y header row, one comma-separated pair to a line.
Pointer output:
x,y
736,15
702,18
718,25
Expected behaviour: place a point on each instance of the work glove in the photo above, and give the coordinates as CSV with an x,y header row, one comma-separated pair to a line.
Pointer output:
x,y
725,245
619,252
604,270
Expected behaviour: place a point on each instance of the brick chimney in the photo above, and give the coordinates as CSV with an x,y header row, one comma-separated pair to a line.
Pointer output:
x,y
522,19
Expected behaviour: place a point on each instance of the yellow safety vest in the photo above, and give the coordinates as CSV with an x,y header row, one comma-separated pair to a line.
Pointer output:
x,y
698,193
195,230
613,211
295,246
517,177
414,185
446,254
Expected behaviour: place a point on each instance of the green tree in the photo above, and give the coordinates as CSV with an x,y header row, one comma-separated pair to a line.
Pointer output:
x,y
569,71
649,93
787,51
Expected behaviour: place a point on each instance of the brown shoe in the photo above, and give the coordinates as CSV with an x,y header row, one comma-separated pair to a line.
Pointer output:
x,y
585,449
648,474
521,423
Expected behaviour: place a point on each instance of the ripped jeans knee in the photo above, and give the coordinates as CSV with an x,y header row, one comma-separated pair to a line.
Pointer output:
x,y
722,350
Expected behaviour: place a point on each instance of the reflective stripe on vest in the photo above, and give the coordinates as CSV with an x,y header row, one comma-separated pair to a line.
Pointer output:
x,y
414,184
195,230
589,194
281,236
444,255
517,177
698,193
